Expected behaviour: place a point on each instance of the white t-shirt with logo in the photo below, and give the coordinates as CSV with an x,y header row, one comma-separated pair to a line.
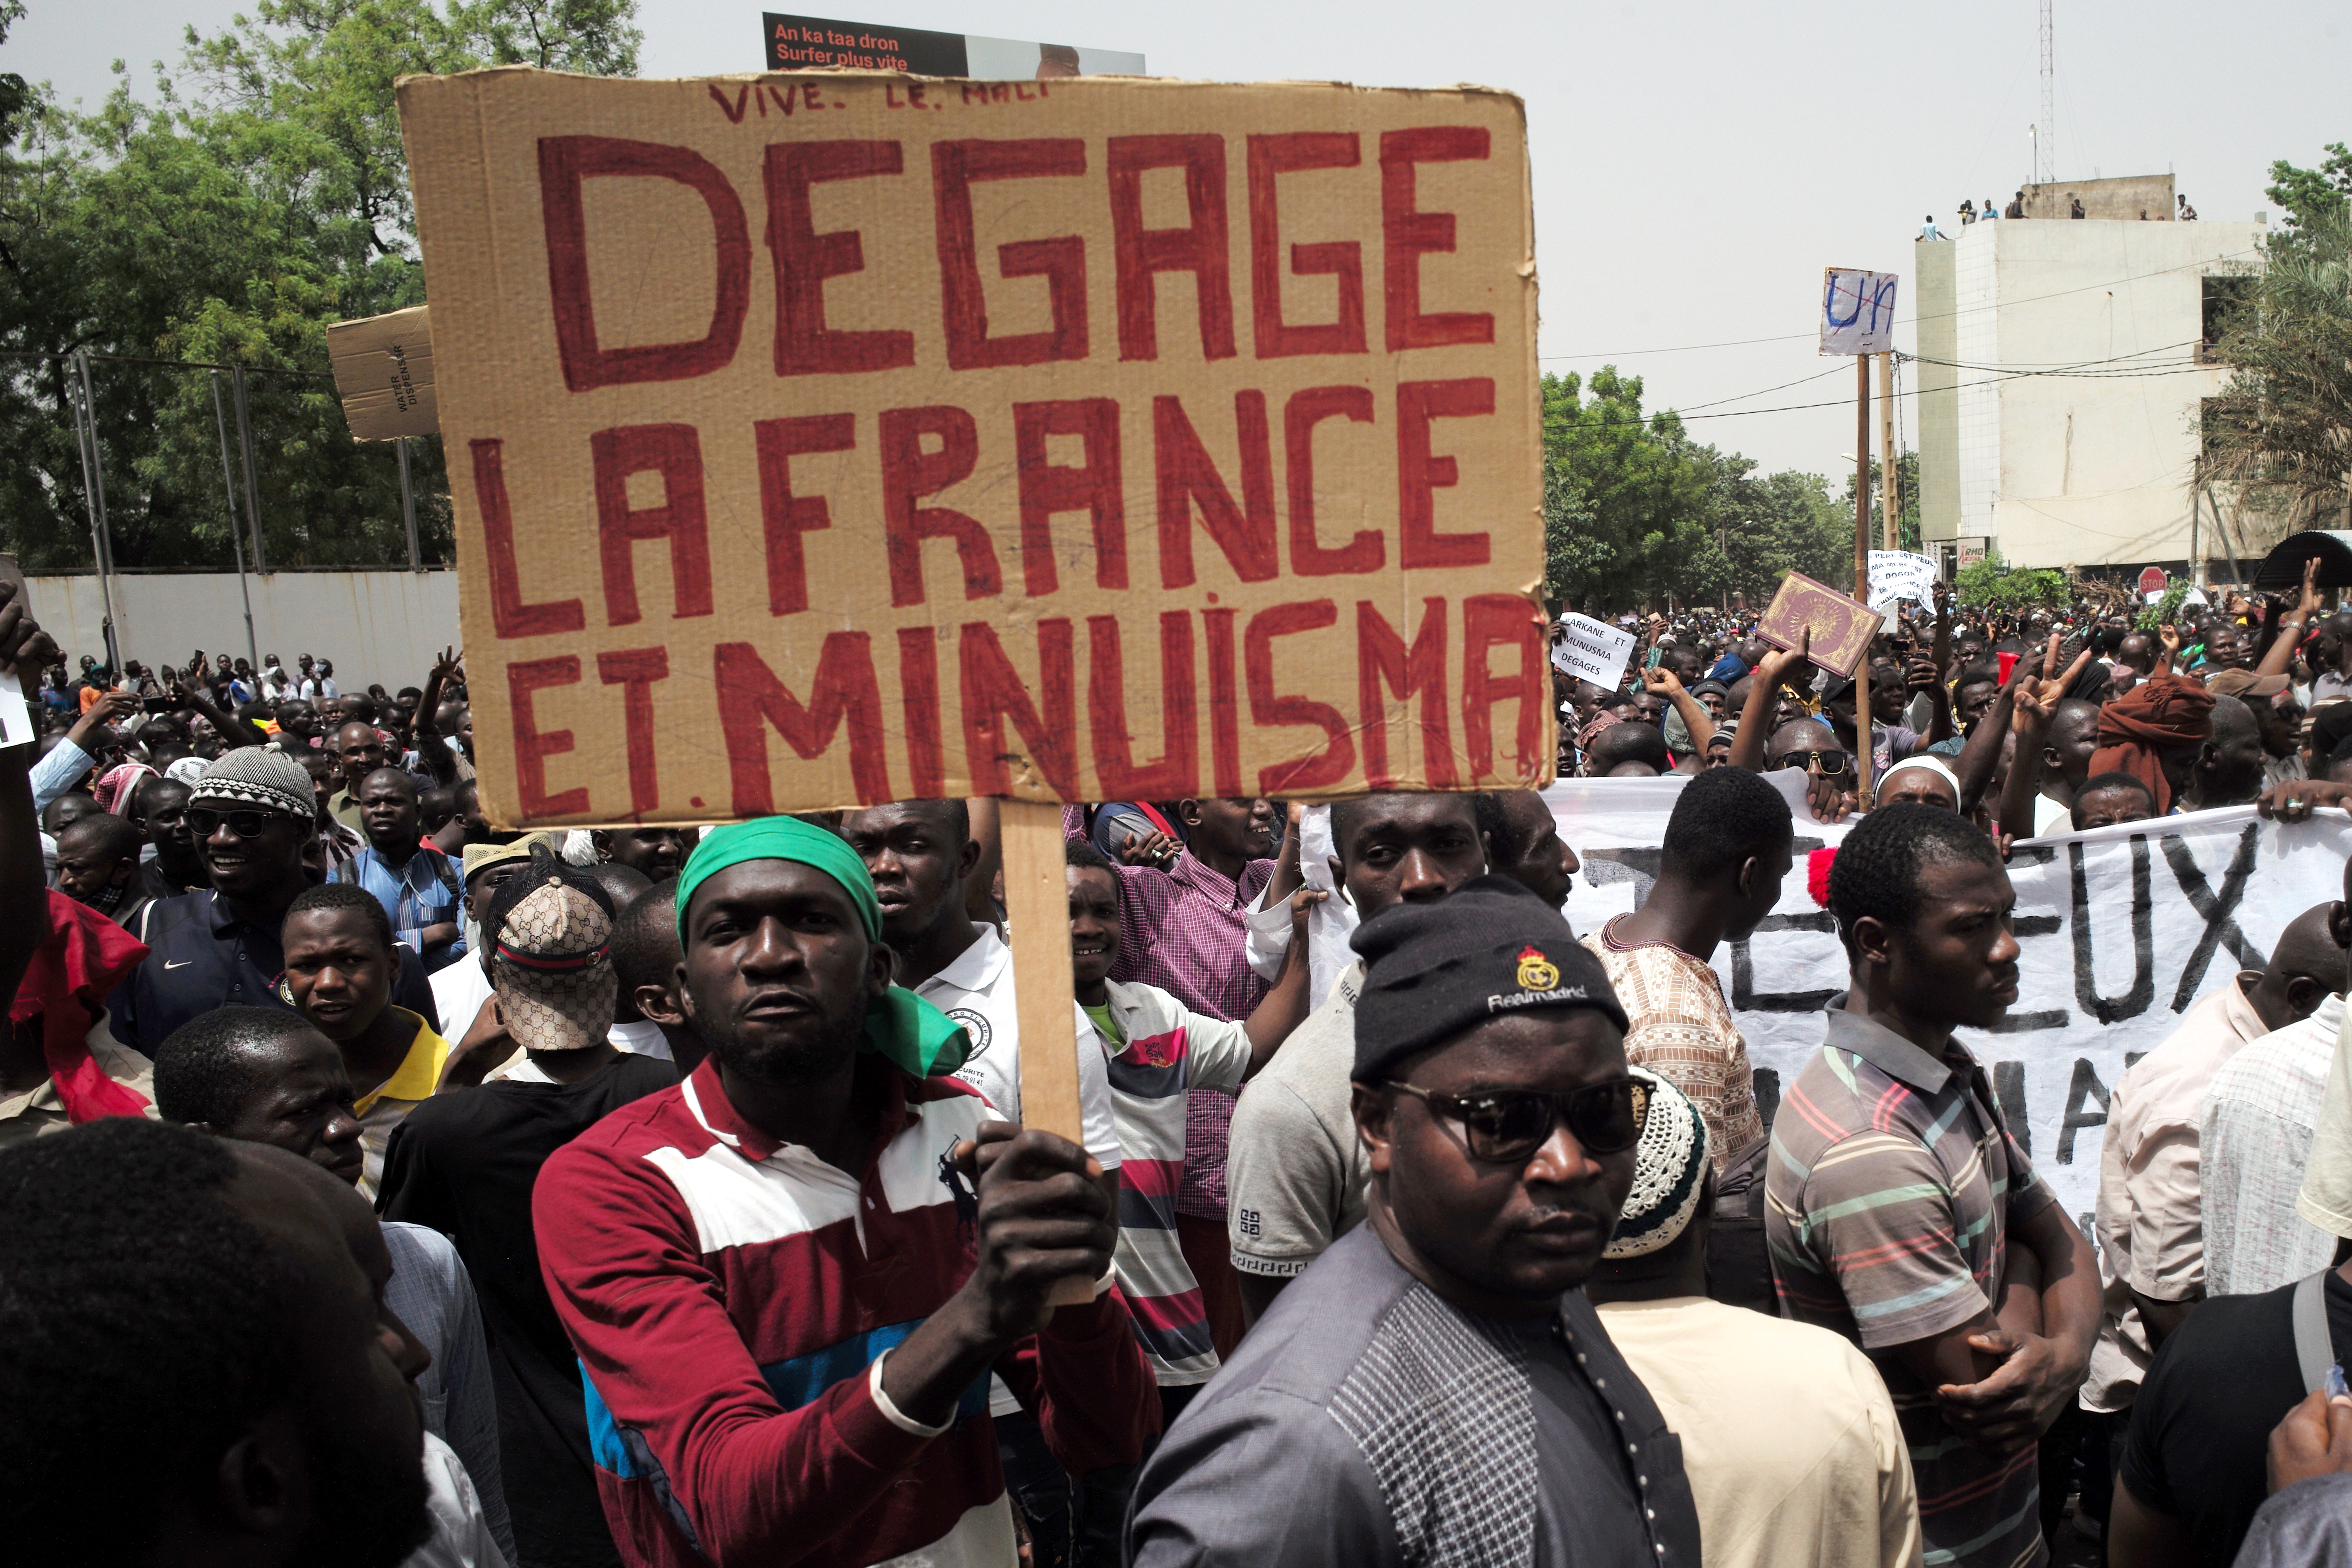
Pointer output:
x,y
976,991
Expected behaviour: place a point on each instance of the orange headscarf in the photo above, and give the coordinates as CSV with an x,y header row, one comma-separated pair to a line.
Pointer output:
x,y
2166,711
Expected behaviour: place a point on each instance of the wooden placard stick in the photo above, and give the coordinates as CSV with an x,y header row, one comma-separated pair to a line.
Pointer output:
x,y
1037,911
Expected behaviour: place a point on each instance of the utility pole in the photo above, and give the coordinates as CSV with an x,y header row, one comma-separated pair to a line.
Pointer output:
x,y
408,508
93,478
1890,526
236,535
244,449
1862,739
2045,142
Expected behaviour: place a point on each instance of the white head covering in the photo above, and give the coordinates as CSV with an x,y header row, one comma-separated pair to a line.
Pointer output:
x,y
1669,1173
1933,765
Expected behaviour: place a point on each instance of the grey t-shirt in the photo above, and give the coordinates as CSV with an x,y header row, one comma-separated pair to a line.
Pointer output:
x,y
2308,1525
1295,1169
1366,1422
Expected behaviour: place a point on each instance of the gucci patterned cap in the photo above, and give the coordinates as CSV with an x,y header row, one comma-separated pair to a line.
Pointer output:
x,y
1435,972
257,777
1669,1173
550,929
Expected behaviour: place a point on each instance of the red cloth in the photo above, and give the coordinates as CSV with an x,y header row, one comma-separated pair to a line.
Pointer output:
x,y
1817,874
2167,710
65,986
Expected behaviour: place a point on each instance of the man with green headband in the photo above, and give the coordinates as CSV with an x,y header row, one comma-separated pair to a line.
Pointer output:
x,y
786,1293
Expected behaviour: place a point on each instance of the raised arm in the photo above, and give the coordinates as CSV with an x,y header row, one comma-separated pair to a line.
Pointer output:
x,y
1926,674
233,732
1284,1007
1763,692
2281,652
1666,684
1973,767
2032,707
438,759
27,649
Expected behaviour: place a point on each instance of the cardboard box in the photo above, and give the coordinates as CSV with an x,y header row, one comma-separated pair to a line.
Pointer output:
x,y
383,373
830,438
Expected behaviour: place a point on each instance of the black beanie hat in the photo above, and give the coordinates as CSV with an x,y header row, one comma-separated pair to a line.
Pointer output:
x,y
1434,970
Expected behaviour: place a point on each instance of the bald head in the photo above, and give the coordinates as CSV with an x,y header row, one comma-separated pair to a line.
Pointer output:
x,y
1626,746
2067,745
2305,968
2229,767
1801,735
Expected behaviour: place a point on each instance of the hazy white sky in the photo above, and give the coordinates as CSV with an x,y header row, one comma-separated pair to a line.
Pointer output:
x,y
1695,166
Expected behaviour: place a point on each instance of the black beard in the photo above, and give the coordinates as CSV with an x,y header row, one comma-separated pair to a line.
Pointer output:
x,y
372,1513
782,1063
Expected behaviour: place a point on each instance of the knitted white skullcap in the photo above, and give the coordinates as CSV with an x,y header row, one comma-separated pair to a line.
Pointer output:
x,y
1669,1172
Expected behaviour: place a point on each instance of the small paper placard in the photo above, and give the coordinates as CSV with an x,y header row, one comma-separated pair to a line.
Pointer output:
x,y
16,716
1592,651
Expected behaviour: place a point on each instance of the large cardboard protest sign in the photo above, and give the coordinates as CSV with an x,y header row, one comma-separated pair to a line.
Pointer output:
x,y
834,438
2122,930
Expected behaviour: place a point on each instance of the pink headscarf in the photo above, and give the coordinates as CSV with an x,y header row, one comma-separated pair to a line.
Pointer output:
x,y
120,784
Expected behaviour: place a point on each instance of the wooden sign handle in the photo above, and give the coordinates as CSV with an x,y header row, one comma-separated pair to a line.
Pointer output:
x,y
1037,909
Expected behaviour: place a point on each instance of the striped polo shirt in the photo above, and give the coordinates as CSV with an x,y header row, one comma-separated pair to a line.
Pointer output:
x,y
1890,1193
732,1300
1163,1052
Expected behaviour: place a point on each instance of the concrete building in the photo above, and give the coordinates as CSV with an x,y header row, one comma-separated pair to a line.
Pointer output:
x,y
2061,366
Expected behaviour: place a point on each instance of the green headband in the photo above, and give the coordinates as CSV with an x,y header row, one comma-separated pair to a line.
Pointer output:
x,y
899,1024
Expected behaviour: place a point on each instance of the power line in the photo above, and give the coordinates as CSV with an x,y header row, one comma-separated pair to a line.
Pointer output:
x,y
1910,321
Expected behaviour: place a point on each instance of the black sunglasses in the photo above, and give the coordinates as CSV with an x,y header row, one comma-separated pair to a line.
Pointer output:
x,y
1830,762
204,822
1504,1126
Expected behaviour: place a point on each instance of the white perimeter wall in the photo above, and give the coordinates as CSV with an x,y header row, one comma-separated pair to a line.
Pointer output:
x,y
379,627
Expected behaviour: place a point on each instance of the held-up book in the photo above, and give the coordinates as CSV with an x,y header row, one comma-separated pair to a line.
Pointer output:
x,y
1842,627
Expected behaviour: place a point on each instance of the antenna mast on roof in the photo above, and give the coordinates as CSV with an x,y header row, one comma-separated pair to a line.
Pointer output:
x,y
2045,144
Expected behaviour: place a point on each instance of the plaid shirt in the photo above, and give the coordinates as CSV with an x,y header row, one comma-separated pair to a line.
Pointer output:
x,y
420,893
2255,1129
1682,1031
1889,1196
1185,929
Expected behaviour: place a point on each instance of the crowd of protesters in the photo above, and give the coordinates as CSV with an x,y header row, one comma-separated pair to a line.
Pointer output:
x,y
423,1192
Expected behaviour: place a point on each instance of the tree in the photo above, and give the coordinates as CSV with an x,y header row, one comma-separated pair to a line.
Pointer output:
x,y
2311,194
1635,512
2280,432
232,225
1906,484
1992,584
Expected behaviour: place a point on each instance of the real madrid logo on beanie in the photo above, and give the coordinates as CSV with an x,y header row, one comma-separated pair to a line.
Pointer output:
x,y
1435,971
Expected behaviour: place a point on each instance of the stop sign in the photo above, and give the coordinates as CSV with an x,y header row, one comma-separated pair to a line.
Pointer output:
x,y
2153,581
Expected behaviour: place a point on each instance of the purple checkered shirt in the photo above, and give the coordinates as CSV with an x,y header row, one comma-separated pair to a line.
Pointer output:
x,y
1183,929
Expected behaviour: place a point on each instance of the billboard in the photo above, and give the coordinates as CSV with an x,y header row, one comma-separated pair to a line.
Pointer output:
x,y
1052,440
797,43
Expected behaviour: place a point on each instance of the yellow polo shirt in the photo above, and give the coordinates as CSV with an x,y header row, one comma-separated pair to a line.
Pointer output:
x,y
384,1107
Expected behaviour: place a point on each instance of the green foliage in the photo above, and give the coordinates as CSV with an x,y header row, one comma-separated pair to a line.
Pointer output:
x,y
1990,584
2278,432
2311,194
2166,611
1906,480
232,225
1635,512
